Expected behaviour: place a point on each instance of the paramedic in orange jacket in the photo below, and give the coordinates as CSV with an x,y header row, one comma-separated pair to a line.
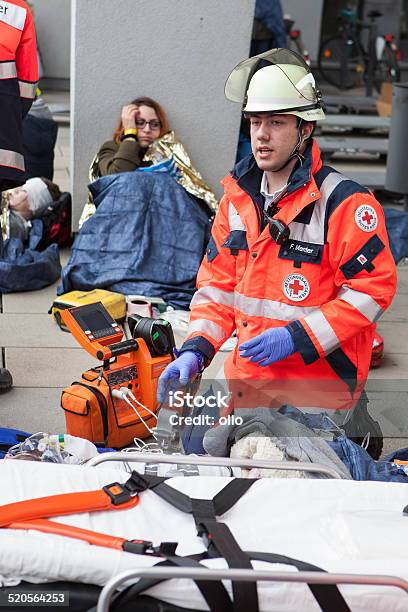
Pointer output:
x,y
18,84
298,263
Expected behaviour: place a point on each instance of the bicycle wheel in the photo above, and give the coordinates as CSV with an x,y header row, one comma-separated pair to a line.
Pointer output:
x,y
387,68
340,62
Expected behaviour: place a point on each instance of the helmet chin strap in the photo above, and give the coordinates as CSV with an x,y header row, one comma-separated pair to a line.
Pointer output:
x,y
296,151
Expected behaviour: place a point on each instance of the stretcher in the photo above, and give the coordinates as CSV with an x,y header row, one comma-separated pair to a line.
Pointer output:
x,y
343,527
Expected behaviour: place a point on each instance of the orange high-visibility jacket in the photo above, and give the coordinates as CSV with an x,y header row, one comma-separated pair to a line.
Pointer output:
x,y
329,283
18,84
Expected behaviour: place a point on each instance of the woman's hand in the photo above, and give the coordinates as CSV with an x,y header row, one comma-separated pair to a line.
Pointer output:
x,y
129,114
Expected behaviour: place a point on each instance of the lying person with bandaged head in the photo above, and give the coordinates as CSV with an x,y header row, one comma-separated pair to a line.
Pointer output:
x,y
34,219
30,201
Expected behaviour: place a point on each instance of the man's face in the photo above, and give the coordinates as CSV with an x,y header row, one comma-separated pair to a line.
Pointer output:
x,y
273,138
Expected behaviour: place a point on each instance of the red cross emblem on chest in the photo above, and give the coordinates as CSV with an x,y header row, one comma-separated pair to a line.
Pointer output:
x,y
296,287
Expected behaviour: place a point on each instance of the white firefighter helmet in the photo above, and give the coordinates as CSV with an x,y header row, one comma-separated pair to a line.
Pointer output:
x,y
277,81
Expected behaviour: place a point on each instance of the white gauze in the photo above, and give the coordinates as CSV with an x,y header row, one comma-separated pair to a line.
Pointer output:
x,y
39,196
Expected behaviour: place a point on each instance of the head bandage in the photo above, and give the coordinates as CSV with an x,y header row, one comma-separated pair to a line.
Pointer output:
x,y
38,194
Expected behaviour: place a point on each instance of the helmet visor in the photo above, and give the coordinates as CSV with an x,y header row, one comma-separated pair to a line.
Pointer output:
x,y
237,83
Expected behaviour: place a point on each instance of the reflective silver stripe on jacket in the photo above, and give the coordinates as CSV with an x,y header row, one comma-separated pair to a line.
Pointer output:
x,y
27,90
209,294
323,331
12,159
251,306
8,70
211,329
270,309
13,15
314,231
234,219
362,302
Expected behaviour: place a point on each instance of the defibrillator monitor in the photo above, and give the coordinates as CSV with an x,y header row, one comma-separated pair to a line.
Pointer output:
x,y
96,323
95,329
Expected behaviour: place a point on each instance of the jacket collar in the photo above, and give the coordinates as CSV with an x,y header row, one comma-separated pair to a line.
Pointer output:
x,y
245,179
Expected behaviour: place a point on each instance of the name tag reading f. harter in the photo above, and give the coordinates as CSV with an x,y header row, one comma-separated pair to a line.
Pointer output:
x,y
302,251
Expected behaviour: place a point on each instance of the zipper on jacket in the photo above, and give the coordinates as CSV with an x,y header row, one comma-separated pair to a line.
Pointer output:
x,y
259,215
263,217
103,407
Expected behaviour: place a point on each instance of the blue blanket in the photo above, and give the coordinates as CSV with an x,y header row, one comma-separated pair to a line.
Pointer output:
x,y
396,222
23,268
147,237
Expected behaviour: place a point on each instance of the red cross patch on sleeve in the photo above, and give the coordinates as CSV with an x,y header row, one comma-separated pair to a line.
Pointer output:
x,y
366,218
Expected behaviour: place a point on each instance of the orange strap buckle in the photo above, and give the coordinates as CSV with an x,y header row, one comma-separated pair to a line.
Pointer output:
x,y
112,497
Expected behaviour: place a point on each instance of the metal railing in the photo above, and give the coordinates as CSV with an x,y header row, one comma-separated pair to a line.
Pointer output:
x,y
150,458
243,575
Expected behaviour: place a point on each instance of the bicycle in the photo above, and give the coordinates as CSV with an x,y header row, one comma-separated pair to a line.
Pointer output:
x,y
345,63
295,38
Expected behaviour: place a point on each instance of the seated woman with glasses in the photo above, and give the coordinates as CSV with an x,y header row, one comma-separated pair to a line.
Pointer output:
x,y
142,122
148,207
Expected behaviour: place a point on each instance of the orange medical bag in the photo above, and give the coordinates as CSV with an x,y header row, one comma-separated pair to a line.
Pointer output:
x,y
95,405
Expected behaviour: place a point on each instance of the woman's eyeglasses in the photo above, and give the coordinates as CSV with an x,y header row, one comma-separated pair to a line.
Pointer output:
x,y
154,124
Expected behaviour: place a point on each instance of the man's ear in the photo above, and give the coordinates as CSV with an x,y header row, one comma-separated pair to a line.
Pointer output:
x,y
308,128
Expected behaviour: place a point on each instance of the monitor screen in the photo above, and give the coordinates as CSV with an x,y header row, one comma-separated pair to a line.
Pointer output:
x,y
95,320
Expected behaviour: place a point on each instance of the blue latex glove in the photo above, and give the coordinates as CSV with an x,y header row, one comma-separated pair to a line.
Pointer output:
x,y
270,346
177,374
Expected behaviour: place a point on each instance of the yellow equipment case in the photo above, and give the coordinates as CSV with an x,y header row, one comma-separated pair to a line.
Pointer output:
x,y
115,303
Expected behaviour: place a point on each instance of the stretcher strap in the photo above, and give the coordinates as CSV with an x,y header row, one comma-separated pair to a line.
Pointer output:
x,y
222,502
327,596
60,505
214,593
229,495
220,537
221,542
204,512
69,531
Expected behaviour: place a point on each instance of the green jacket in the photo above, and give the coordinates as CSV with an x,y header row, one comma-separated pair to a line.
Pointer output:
x,y
125,156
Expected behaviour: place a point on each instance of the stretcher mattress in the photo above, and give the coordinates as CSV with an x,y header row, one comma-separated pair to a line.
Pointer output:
x,y
341,526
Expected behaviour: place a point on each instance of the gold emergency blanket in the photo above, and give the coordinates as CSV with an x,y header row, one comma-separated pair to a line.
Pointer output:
x,y
4,215
166,147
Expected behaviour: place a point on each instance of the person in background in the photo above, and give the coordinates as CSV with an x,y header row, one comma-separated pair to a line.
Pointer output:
x,y
30,201
269,27
39,139
18,85
141,122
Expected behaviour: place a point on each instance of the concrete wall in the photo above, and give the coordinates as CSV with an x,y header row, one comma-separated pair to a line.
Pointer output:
x,y
52,21
176,51
308,17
